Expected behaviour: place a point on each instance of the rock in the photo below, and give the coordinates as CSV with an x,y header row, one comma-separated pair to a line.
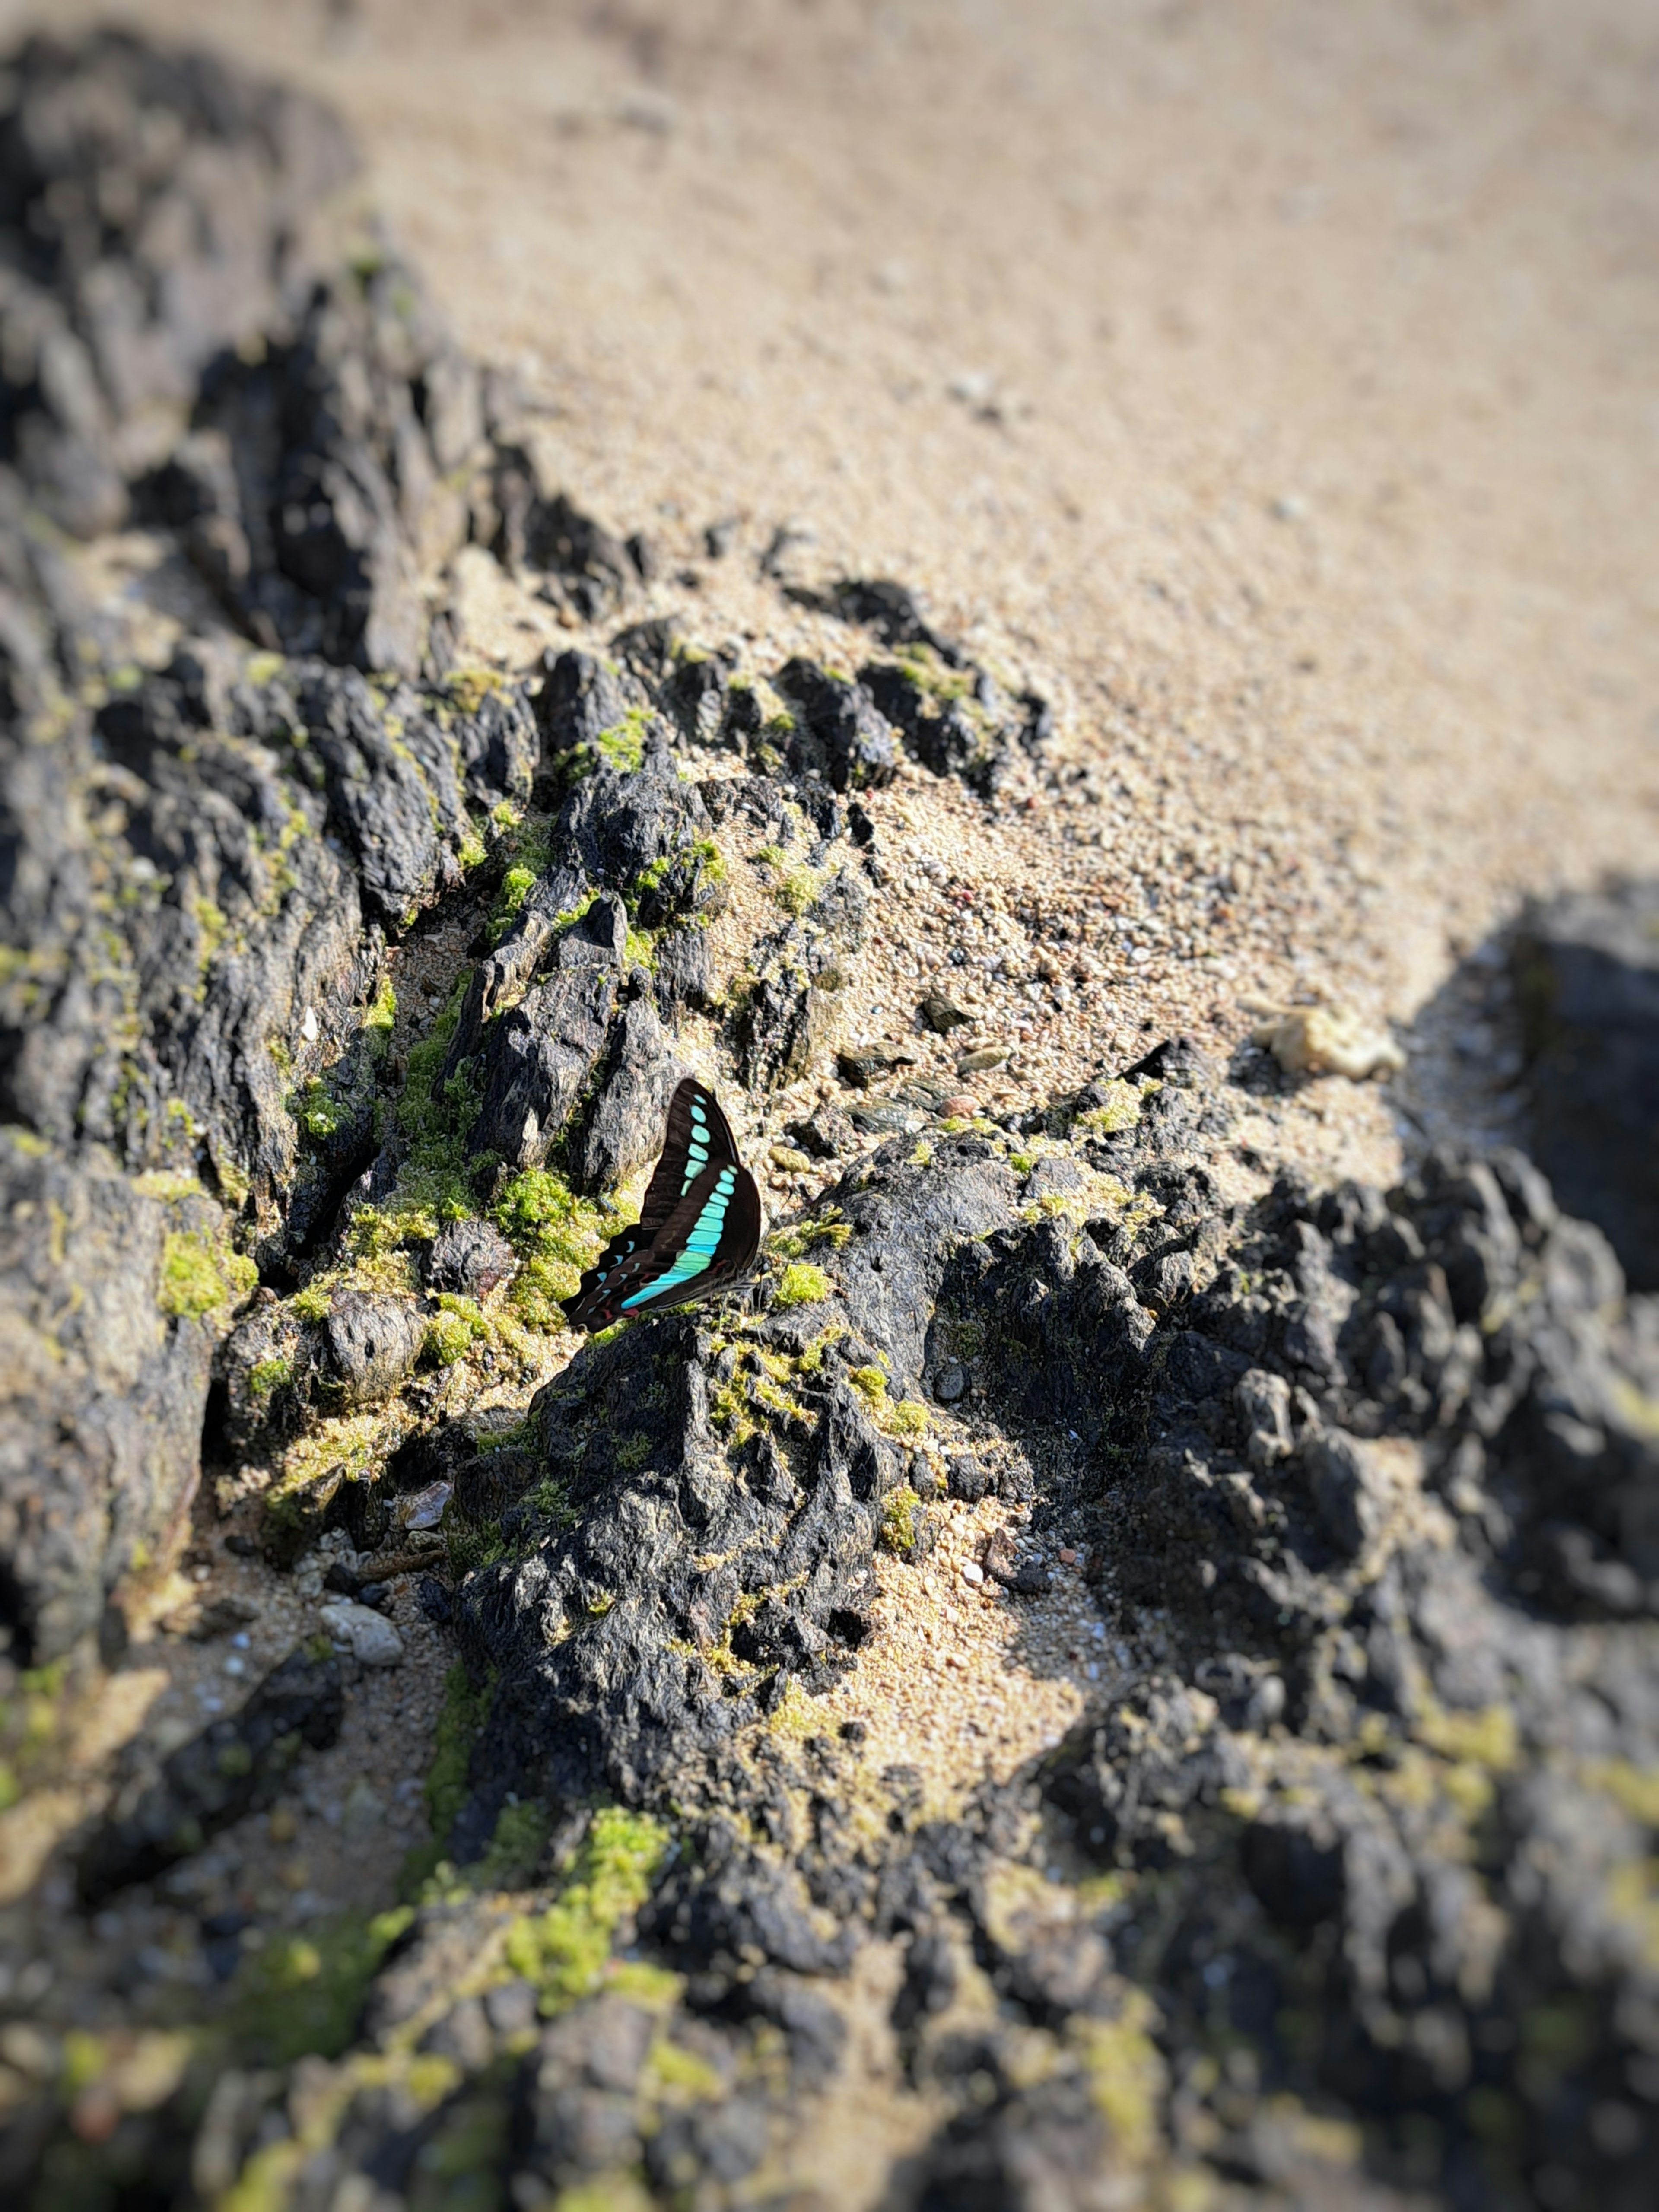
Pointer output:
x,y
941,1016
826,1134
579,699
364,1813
1352,1490
593,568
236,1766
1026,1577
793,1009
950,1382
977,1062
865,1064
109,326
374,1641
1587,976
224,1616
1329,1041
369,1345
628,1115
338,443
840,733
470,1258
111,1303
540,1060
969,1478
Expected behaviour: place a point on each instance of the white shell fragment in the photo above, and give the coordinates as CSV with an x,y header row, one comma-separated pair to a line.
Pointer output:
x,y
1329,1041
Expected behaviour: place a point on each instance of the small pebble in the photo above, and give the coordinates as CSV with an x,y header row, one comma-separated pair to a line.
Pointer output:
x,y
1067,1558
972,1571
374,1641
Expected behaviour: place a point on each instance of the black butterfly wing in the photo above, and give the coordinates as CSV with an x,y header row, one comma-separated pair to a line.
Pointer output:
x,y
698,1136
708,1241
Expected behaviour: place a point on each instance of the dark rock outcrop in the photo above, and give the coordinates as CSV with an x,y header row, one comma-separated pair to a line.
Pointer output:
x,y
109,1297
1586,974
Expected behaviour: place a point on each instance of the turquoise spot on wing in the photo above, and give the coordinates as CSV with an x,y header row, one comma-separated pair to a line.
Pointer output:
x,y
699,1247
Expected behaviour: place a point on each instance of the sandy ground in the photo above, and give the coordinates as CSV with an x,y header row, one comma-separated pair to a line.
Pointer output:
x,y
1277,377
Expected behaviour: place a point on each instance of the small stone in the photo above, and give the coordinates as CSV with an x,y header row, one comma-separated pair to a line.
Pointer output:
x,y
373,1343
1329,1041
364,1810
1067,1557
827,1135
469,1258
951,1383
282,1826
987,1056
424,1508
790,1159
863,1065
223,1617
374,1641
972,1573
962,1108
941,1016
511,2008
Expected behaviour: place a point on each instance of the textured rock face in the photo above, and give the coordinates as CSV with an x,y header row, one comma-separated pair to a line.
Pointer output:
x,y
164,199
1587,967
103,1387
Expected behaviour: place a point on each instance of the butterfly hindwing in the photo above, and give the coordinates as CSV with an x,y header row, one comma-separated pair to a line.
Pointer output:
x,y
699,1229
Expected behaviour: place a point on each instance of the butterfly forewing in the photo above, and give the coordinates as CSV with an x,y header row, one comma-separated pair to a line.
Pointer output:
x,y
698,1232
698,1137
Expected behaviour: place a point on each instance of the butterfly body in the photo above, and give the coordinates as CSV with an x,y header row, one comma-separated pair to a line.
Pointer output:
x,y
698,1230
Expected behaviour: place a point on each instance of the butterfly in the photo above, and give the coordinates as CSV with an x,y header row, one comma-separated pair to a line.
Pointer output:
x,y
699,1229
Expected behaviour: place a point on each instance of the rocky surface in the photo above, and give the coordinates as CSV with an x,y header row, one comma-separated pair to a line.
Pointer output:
x,y
348,982
1587,976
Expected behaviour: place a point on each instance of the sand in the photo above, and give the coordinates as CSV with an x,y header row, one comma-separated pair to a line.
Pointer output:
x,y
1274,381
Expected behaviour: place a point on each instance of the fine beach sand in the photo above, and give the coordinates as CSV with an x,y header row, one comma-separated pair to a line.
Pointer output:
x,y
1274,381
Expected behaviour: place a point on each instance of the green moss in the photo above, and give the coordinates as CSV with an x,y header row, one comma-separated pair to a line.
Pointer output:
x,y
515,1849
899,1527
301,1994
460,1718
555,1234
313,1302
196,1279
619,2192
318,1112
382,1012
453,1330
1126,2076
468,689
801,1284
934,677
828,1229
678,2077
1634,1788
632,1451
564,1951
434,1183
872,1381
1120,1109
266,1376
212,927
622,745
